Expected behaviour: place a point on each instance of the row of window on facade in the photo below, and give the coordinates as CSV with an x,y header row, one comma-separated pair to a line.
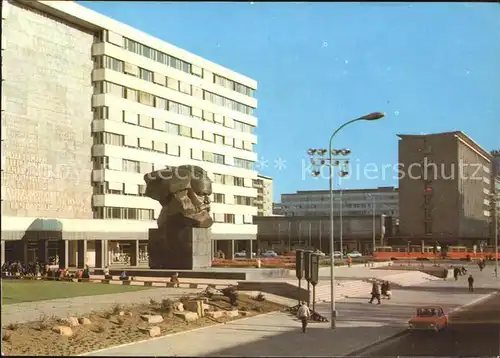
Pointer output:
x,y
162,103
169,82
135,166
346,197
345,212
237,199
104,212
107,212
170,128
178,64
130,189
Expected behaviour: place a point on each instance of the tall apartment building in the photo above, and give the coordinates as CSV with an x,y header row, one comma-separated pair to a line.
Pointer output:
x,y
89,105
444,188
264,200
384,200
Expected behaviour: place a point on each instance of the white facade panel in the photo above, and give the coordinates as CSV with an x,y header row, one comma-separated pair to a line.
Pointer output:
x,y
146,121
131,69
160,79
158,124
145,143
115,185
248,182
131,189
115,38
196,154
115,163
127,201
115,114
130,141
130,117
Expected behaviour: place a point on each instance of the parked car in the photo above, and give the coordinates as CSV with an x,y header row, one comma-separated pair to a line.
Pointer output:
x,y
354,254
269,253
243,254
429,318
319,252
338,255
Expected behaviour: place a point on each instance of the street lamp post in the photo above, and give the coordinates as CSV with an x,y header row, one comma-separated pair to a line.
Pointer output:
x,y
494,205
374,242
341,204
330,162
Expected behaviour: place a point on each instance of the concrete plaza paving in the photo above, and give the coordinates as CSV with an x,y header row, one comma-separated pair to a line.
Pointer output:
x,y
359,324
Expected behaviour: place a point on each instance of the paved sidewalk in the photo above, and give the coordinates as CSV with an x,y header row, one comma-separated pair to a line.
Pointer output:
x,y
359,324
64,307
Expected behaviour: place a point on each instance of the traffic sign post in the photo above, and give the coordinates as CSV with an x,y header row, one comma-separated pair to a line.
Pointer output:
x,y
299,269
307,274
314,276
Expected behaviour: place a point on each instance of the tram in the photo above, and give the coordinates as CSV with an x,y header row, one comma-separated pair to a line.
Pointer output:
x,y
432,253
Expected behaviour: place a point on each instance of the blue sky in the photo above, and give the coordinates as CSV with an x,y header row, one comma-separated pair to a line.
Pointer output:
x,y
430,66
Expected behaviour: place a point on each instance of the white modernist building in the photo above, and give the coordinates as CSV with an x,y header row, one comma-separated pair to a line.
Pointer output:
x,y
89,105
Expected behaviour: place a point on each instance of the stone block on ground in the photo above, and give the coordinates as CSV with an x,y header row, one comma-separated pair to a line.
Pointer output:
x,y
195,306
188,316
154,331
178,306
70,321
212,291
63,331
215,314
152,318
232,313
84,321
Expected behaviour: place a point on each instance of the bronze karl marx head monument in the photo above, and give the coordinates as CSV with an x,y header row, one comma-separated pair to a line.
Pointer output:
x,y
183,193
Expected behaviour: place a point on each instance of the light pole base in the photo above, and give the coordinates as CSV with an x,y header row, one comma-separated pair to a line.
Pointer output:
x,y
334,320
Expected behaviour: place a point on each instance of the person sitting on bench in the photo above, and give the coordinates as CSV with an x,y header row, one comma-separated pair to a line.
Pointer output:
x,y
86,272
175,279
123,276
107,276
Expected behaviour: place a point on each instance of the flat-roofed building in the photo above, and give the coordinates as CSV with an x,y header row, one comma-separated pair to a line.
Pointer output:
x,y
264,199
382,200
90,105
444,188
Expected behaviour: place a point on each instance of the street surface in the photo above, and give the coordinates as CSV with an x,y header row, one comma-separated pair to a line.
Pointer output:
x,y
475,331
359,324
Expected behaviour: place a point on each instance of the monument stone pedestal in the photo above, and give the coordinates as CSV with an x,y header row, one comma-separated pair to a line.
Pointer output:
x,y
184,248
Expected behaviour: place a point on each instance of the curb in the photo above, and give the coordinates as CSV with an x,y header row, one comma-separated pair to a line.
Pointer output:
x,y
377,344
133,282
174,334
472,303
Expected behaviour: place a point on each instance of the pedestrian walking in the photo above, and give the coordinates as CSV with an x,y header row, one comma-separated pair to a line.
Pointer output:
x,y
456,272
375,292
445,274
303,313
349,261
471,283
